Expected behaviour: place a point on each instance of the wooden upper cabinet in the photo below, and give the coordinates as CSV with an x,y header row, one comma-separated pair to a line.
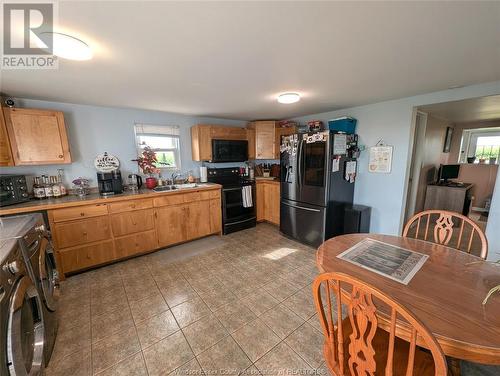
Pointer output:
x,y
264,139
37,137
203,134
5,152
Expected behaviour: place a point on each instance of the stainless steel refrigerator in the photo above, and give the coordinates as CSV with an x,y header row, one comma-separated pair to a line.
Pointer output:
x,y
317,182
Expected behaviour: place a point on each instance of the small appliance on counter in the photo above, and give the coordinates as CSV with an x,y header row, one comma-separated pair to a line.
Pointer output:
x,y
13,189
110,183
134,182
109,177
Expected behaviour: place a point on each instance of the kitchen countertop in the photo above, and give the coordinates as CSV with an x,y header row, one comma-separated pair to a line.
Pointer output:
x,y
95,198
269,181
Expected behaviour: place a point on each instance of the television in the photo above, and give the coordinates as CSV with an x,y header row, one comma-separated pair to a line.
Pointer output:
x,y
448,172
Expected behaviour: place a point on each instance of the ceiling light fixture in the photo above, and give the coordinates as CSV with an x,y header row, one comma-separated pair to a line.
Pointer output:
x,y
69,47
288,98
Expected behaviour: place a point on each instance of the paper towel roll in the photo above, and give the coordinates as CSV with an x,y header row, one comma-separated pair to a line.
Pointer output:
x,y
203,174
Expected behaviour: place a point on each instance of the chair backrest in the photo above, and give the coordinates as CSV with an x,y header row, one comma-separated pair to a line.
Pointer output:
x,y
448,228
362,314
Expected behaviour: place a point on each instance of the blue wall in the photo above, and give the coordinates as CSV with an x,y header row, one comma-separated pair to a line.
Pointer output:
x,y
93,130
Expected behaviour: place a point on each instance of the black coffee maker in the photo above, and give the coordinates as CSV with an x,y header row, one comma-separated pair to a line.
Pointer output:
x,y
110,183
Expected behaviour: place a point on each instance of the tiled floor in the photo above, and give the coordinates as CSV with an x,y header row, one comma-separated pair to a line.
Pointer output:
x,y
217,306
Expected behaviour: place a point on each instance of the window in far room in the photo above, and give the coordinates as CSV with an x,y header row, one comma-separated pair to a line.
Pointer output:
x,y
164,140
483,144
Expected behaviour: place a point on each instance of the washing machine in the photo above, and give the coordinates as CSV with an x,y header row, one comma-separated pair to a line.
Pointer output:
x,y
40,263
22,335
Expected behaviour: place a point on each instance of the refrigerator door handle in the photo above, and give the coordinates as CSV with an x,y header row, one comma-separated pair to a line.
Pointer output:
x,y
299,163
301,207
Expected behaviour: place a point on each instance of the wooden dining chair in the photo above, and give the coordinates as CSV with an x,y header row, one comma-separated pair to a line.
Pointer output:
x,y
356,345
448,228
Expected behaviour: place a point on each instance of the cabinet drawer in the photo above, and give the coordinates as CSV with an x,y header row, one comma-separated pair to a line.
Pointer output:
x,y
74,233
84,257
131,222
130,205
68,214
169,200
196,196
137,243
214,194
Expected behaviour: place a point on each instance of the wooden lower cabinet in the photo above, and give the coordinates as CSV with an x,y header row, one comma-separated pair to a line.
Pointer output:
x,y
91,235
84,257
132,222
215,216
134,244
268,201
197,219
170,225
73,233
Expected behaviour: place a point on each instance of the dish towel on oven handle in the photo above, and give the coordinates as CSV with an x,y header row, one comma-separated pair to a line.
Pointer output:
x,y
247,196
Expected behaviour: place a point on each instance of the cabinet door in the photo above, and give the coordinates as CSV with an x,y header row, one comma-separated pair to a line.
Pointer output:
x,y
37,136
215,216
259,188
273,203
135,244
170,224
132,222
201,143
5,153
251,143
227,133
264,139
197,220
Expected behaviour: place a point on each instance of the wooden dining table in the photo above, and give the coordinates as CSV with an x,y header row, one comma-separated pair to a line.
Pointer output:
x,y
445,294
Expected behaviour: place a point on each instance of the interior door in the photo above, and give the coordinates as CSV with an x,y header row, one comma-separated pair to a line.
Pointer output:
x,y
170,224
25,330
198,223
49,277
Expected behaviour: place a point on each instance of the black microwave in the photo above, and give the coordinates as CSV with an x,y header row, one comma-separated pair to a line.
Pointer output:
x,y
13,189
229,151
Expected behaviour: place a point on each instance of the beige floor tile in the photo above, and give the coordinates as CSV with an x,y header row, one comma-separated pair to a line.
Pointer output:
x,y
110,323
190,311
114,349
281,320
132,366
167,355
308,343
282,360
217,298
314,322
191,368
177,293
233,316
108,304
260,302
280,289
251,371
156,328
76,364
147,307
224,358
302,303
204,333
255,338
140,288
69,341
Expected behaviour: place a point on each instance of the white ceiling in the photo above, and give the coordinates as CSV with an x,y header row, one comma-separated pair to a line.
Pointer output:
x,y
230,59
468,110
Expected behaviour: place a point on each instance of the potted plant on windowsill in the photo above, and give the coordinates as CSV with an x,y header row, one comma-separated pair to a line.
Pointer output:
x,y
148,163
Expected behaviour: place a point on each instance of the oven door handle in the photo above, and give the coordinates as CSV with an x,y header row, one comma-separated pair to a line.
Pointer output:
x,y
301,207
231,189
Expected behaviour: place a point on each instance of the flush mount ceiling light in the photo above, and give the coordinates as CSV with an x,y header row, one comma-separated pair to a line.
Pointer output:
x,y
288,98
69,47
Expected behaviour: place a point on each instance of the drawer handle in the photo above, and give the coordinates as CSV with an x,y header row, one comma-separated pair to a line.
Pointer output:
x,y
85,233
82,214
132,206
60,156
134,223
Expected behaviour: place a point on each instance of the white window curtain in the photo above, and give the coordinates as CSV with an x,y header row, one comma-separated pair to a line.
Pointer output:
x,y
164,140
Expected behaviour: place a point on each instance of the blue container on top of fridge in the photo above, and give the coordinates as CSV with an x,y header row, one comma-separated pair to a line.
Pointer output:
x,y
344,124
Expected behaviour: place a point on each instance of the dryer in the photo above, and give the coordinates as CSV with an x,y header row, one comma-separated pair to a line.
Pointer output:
x,y
40,263
22,327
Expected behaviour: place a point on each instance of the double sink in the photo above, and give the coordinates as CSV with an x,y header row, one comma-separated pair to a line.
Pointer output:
x,y
165,188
